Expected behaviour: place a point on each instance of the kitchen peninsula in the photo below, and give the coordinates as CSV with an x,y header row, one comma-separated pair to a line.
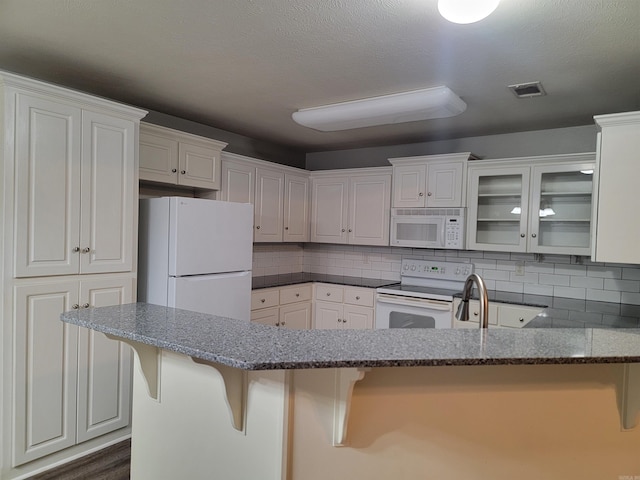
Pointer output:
x,y
220,398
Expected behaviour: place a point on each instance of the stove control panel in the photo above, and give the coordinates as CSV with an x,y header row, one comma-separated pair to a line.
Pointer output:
x,y
436,270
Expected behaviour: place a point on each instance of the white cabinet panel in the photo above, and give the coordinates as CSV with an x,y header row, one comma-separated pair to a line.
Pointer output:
x,y
434,181
46,362
104,372
329,209
269,204
179,158
326,315
47,162
369,200
109,194
355,317
238,182
296,208
409,183
296,316
616,231
351,208
158,158
266,316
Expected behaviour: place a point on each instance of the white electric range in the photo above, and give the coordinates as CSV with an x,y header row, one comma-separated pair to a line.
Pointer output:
x,y
424,297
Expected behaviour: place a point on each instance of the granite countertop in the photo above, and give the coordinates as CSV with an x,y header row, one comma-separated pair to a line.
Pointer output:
x,y
304,277
252,346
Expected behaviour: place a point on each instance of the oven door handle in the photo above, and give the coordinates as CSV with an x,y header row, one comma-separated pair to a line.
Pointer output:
x,y
432,304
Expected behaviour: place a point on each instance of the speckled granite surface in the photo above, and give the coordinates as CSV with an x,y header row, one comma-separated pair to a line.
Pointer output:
x,y
253,346
304,277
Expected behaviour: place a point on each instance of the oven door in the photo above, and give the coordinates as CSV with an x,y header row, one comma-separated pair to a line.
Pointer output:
x,y
394,311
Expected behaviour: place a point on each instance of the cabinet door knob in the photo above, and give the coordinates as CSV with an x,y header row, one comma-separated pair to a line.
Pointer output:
x,y
262,300
75,249
350,230
183,172
475,314
339,320
258,227
297,294
75,306
328,294
174,170
85,305
86,250
343,229
533,235
286,228
521,319
277,324
282,323
429,194
357,298
522,235
421,194
344,320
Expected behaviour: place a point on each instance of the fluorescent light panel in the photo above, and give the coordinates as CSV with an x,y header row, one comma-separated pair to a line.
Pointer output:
x,y
424,104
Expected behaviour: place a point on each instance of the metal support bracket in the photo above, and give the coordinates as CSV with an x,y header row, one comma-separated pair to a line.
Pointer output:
x,y
345,380
235,384
150,361
628,395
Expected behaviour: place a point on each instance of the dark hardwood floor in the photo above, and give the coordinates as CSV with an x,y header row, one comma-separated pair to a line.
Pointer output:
x,y
111,463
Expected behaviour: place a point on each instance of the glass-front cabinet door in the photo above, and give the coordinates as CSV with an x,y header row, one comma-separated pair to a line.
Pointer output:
x,y
560,217
498,208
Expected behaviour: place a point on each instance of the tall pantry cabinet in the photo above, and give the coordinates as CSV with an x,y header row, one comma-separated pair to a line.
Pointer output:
x,y
68,241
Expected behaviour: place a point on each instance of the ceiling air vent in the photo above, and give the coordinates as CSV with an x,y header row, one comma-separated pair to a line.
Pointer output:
x,y
525,90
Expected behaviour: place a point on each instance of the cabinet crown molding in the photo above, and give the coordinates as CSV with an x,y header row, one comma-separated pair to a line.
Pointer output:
x,y
420,159
352,171
66,95
256,162
616,119
537,160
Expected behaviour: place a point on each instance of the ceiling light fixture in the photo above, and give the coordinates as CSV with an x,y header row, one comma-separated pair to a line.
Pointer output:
x,y
424,104
466,11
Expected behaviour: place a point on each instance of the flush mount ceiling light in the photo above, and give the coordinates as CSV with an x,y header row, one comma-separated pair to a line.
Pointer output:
x,y
466,11
424,104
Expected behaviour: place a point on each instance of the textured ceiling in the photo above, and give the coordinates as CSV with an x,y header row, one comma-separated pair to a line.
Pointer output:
x,y
246,65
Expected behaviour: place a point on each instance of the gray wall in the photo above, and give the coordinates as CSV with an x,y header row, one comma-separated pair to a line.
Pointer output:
x,y
539,142
237,143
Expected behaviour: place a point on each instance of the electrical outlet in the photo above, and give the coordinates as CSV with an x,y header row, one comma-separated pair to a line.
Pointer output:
x,y
520,268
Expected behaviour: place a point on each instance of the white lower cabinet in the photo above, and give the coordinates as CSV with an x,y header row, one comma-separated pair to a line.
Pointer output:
x,y
70,384
288,307
338,307
501,315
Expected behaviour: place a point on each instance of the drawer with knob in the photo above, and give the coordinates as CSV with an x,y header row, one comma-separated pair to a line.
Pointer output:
x,y
265,298
296,293
359,296
329,293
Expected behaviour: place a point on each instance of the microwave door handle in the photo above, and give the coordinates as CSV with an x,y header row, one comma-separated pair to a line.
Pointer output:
x,y
434,305
443,231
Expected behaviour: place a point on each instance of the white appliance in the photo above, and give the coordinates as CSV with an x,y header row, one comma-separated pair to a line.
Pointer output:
x,y
428,227
424,297
196,254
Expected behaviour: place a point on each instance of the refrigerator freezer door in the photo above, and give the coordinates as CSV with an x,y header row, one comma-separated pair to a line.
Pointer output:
x,y
209,236
225,294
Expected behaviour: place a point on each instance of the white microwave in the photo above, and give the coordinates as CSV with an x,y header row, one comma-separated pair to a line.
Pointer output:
x,y
428,227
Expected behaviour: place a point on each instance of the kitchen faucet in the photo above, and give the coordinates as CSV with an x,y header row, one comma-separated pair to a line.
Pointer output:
x,y
463,309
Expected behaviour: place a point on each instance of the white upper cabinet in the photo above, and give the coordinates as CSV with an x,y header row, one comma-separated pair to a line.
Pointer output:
x,y
351,206
279,194
179,158
269,205
296,208
429,181
76,189
617,226
536,204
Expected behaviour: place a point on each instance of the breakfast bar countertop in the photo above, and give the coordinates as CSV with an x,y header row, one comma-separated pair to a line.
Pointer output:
x,y
251,346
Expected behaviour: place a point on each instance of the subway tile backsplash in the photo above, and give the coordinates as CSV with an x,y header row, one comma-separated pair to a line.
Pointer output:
x,y
558,275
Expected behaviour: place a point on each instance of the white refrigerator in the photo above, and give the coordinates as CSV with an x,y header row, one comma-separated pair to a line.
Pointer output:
x,y
195,254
